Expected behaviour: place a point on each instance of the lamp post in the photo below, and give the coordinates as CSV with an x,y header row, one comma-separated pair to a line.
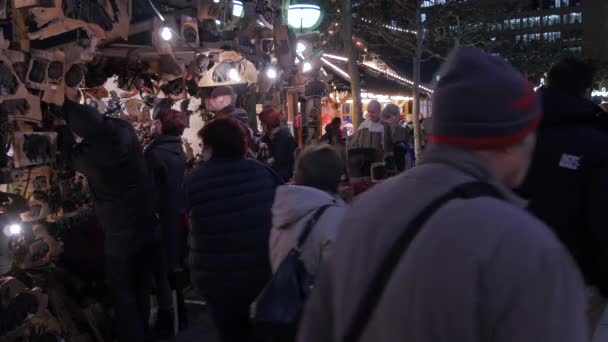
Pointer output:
x,y
353,69
416,90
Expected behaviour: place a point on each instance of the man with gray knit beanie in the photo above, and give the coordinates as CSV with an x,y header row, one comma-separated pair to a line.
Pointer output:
x,y
462,260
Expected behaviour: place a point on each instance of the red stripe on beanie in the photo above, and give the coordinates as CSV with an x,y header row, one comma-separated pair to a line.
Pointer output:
x,y
480,143
527,101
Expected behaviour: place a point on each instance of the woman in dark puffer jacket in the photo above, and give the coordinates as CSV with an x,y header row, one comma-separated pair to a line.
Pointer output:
x,y
229,200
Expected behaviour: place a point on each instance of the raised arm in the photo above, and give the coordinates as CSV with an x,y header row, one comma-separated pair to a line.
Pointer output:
x,y
84,120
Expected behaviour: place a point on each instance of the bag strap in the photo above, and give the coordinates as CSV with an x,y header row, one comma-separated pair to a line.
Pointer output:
x,y
311,223
397,251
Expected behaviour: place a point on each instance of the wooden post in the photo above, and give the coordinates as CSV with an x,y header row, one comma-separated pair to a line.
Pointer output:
x,y
353,68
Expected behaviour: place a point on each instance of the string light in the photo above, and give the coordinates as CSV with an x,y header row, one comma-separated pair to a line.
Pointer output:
x,y
300,47
373,67
306,67
271,73
391,27
165,33
400,78
233,74
335,68
335,57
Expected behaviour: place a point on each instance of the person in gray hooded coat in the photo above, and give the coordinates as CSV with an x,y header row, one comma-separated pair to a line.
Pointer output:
x,y
479,268
318,172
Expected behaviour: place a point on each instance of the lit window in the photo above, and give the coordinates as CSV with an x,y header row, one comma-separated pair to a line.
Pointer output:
x,y
430,3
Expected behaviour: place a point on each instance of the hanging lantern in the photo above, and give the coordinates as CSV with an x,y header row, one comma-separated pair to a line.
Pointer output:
x,y
304,15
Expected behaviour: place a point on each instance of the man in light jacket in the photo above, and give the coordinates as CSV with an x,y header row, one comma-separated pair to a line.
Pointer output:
x,y
318,172
480,269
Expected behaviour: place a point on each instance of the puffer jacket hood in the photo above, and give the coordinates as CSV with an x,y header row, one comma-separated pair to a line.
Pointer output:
x,y
293,202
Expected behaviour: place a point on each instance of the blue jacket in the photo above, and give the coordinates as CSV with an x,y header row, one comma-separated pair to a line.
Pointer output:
x,y
229,202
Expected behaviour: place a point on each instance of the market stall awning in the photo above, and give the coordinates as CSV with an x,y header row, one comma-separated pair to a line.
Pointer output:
x,y
373,78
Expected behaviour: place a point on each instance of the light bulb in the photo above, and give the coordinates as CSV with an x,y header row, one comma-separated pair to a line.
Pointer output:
x,y
306,67
217,22
233,74
12,230
271,73
166,33
300,47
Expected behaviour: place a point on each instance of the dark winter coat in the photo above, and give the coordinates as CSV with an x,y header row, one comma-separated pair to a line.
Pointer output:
x,y
111,157
282,148
167,163
229,202
568,181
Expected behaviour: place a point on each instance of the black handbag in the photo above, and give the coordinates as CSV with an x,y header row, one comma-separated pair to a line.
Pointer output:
x,y
277,309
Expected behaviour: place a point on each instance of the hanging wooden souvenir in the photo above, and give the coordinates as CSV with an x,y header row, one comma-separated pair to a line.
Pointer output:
x,y
54,89
27,180
190,30
11,86
34,148
208,9
27,109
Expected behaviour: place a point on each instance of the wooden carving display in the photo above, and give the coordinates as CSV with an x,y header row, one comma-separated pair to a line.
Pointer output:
x,y
208,9
190,30
11,86
34,148
54,89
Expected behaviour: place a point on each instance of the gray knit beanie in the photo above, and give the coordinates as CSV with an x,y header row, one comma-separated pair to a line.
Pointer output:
x,y
481,102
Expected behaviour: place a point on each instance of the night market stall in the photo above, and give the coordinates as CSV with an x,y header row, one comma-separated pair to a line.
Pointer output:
x,y
128,59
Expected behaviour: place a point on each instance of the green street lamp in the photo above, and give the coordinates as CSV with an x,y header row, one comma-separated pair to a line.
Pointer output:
x,y
304,15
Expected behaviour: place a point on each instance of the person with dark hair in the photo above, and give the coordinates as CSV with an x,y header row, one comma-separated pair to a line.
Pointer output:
x,y
572,76
567,184
333,135
229,200
222,102
110,155
167,163
280,142
317,175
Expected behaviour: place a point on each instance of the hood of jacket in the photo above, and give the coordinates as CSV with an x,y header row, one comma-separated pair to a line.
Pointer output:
x,y
168,143
237,113
560,108
293,202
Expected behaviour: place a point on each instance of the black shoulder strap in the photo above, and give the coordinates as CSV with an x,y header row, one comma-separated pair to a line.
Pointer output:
x,y
378,283
311,223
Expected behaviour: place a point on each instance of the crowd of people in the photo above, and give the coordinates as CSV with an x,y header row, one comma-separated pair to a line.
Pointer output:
x,y
496,235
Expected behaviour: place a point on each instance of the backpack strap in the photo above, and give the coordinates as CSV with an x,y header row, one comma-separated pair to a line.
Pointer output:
x,y
311,223
378,283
